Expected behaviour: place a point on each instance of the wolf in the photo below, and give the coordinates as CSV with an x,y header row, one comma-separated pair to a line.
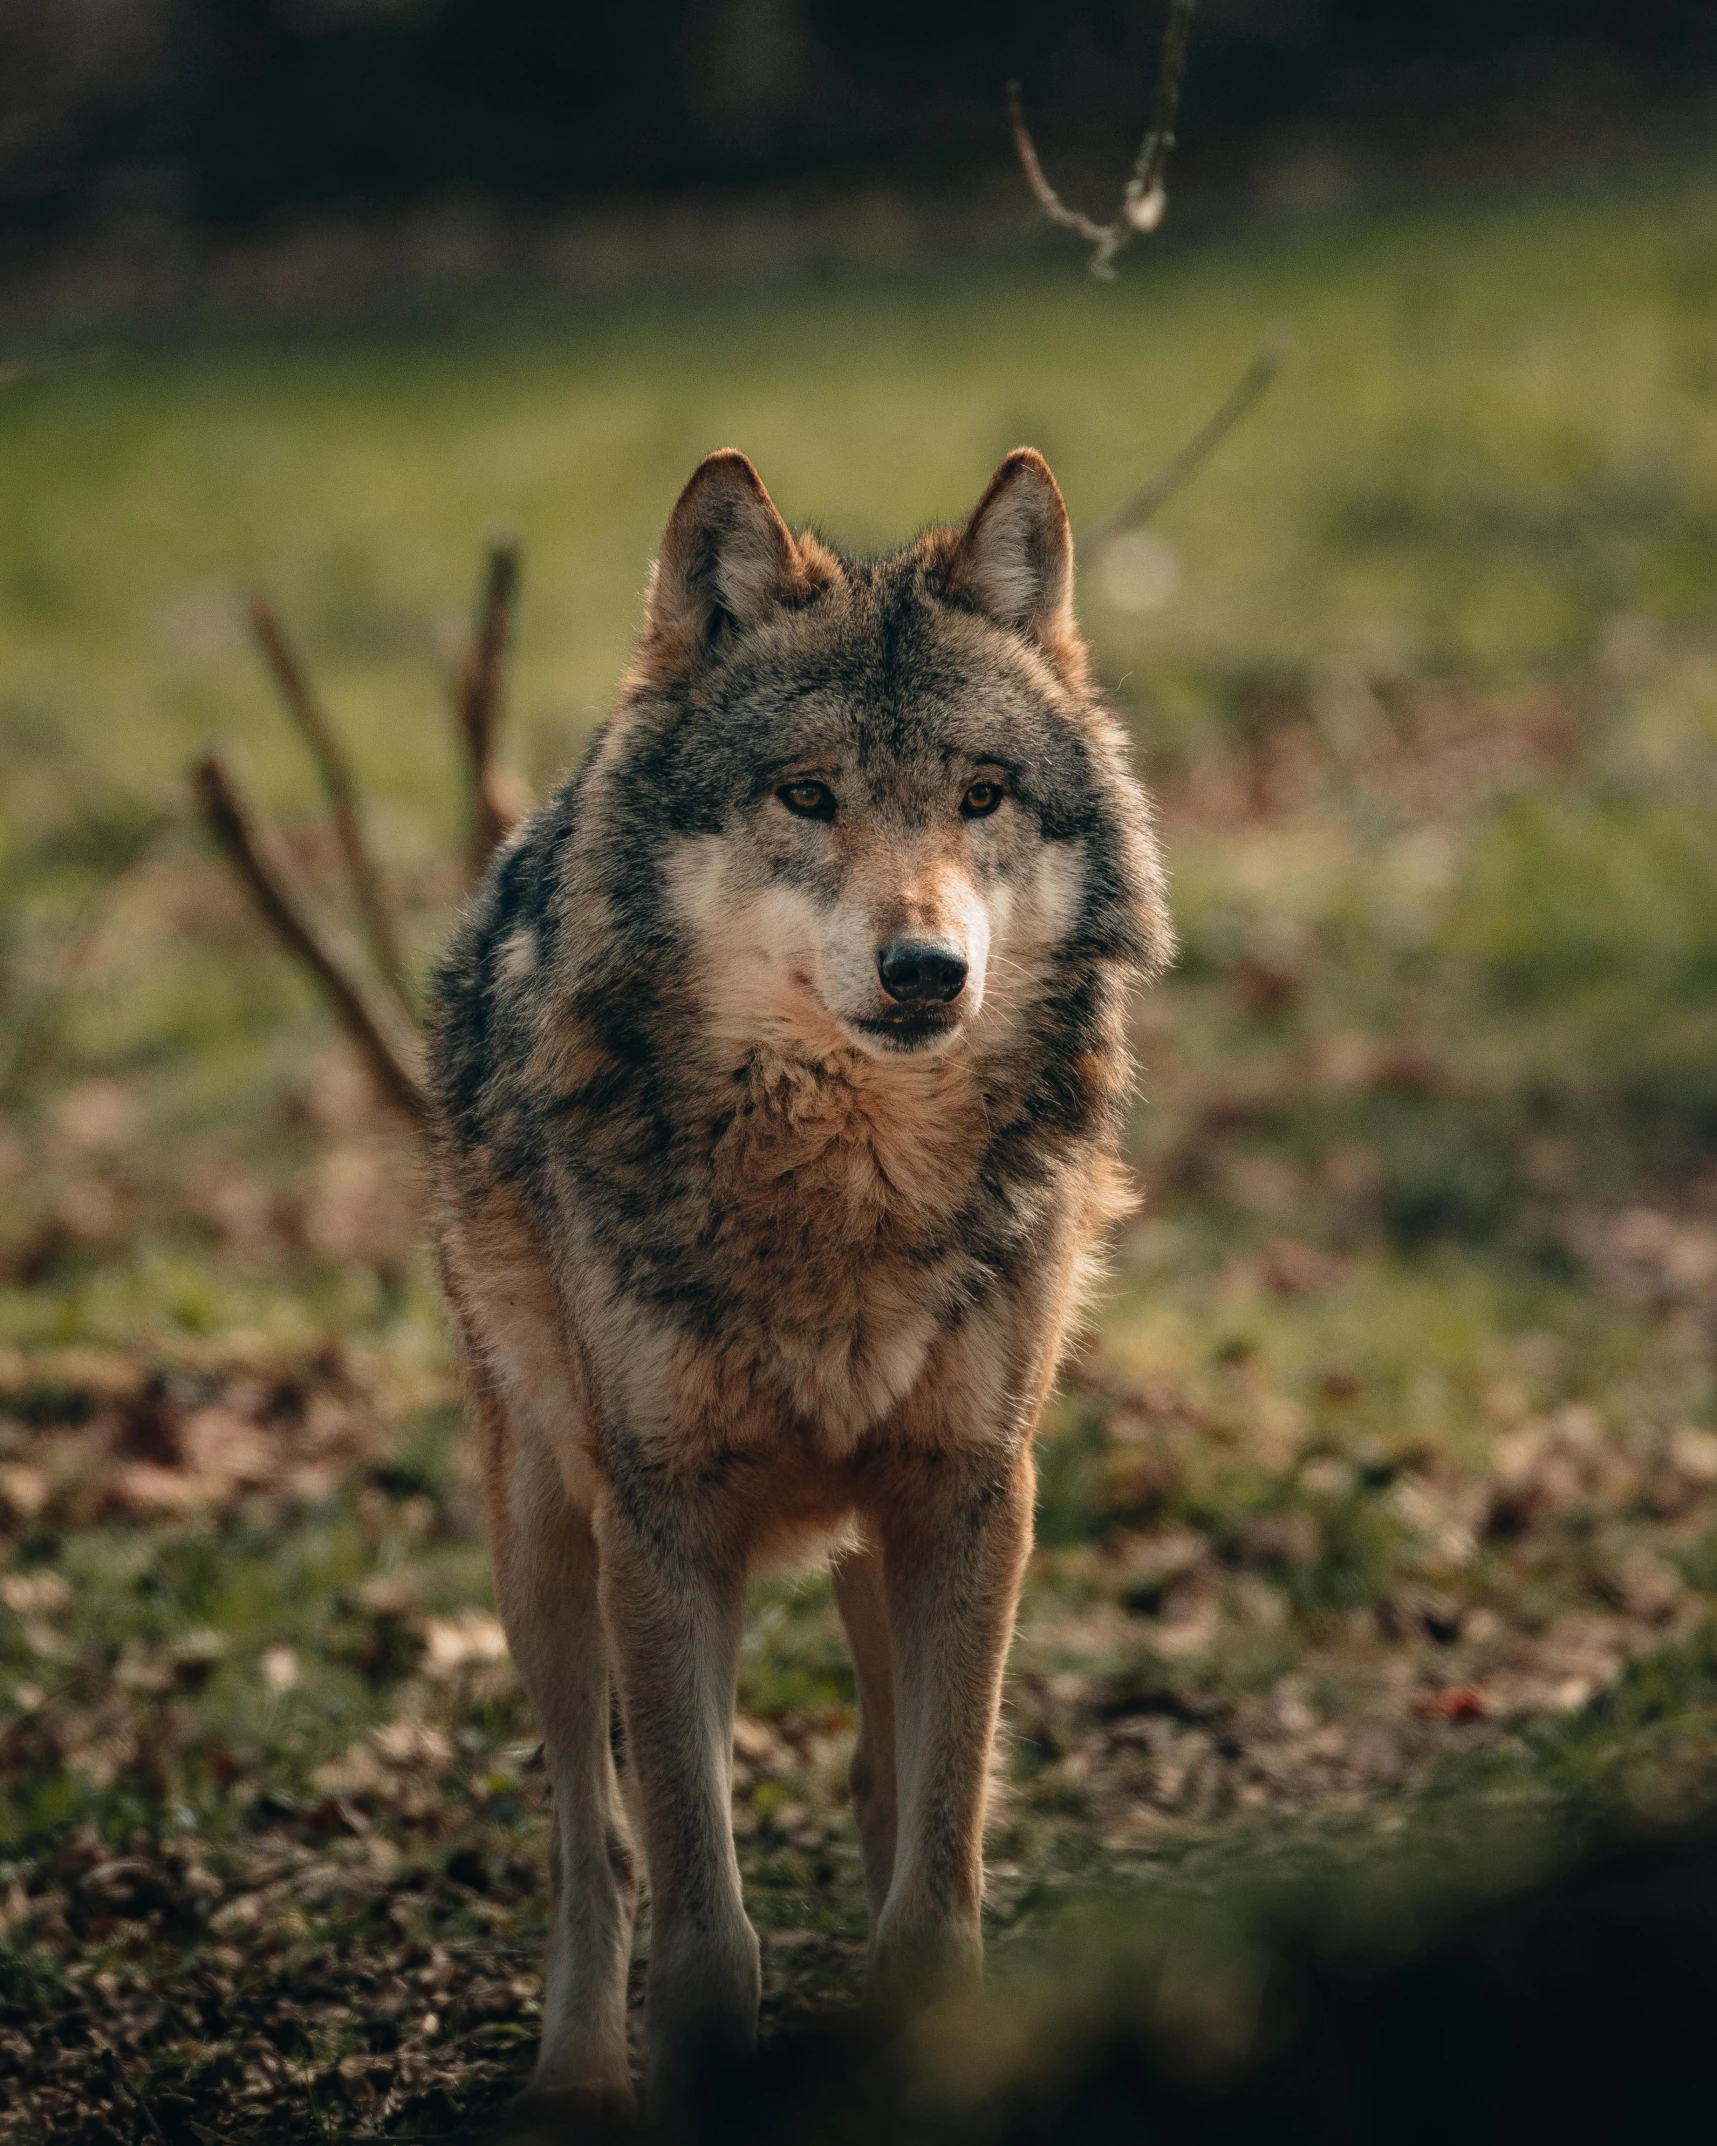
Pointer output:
x,y
779,1072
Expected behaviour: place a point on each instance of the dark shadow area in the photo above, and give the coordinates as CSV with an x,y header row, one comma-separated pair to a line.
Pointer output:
x,y
1576,2006
228,112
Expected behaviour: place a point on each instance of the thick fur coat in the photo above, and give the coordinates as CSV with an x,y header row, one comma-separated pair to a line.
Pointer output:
x,y
779,1069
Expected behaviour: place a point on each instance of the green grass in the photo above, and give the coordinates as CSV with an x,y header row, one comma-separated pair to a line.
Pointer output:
x,y
1498,425
1383,1477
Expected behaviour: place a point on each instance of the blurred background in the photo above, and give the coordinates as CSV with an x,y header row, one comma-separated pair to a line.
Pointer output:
x,y
1387,1484
228,114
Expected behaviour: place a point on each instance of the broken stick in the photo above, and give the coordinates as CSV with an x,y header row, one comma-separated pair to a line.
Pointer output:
x,y
1145,195
373,1020
306,712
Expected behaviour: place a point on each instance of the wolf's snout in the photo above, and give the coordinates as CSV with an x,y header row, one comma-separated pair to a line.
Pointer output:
x,y
917,972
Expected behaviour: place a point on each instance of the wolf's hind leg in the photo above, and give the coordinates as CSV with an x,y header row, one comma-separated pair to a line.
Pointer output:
x,y
863,1602
546,1570
674,1601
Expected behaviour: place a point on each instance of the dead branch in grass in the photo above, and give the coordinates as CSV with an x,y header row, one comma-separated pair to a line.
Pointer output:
x,y
495,800
342,794
1144,198
1186,462
380,1021
371,1018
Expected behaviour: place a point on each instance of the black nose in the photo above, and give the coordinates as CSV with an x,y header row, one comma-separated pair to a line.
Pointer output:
x,y
913,970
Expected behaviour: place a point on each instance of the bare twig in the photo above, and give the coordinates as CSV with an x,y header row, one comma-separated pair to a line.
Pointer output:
x,y
1145,195
144,2113
494,802
374,1022
331,762
1185,463
1076,220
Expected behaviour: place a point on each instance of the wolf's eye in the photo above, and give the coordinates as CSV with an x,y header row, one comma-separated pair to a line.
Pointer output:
x,y
981,800
810,800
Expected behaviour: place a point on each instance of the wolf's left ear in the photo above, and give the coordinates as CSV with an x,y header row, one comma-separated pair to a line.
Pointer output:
x,y
1014,559
727,561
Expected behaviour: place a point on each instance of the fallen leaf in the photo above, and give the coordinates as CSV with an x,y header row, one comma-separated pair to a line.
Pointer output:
x,y
1461,1702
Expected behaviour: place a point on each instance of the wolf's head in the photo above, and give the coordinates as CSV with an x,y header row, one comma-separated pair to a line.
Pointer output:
x,y
894,810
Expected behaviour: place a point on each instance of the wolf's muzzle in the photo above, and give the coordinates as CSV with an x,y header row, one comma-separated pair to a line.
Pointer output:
x,y
916,972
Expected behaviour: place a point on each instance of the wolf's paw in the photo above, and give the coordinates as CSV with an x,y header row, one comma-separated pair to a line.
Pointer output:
x,y
910,1964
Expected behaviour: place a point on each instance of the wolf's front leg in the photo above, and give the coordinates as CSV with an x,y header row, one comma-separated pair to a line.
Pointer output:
x,y
546,1581
673,1602
954,1542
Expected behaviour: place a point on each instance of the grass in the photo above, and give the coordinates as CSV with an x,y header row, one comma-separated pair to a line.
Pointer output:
x,y
1388,1481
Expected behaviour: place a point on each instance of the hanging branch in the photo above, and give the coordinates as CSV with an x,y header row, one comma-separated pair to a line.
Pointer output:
x,y
373,1020
1144,197
331,762
495,800
1186,462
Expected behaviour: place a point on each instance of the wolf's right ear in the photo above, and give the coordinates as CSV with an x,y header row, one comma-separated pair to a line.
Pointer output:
x,y
727,562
